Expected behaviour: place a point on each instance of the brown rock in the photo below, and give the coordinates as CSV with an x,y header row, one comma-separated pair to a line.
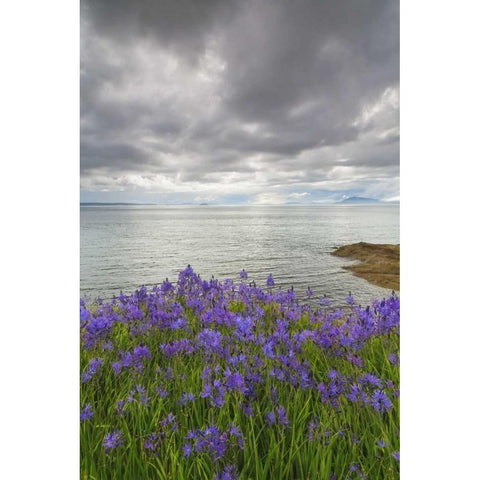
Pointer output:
x,y
380,263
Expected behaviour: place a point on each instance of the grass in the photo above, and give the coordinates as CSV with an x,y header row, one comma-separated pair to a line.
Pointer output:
x,y
342,445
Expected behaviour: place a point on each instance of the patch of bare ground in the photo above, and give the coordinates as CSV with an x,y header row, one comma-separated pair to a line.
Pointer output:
x,y
380,263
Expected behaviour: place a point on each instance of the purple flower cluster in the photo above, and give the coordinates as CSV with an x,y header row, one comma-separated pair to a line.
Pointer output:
x,y
87,413
187,398
210,341
213,441
184,346
253,346
153,440
112,440
93,368
139,394
229,473
271,417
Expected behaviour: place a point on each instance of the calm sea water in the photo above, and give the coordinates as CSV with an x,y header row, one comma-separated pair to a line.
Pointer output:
x,y
124,247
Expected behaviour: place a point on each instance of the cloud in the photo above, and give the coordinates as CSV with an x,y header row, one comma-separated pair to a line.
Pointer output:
x,y
298,195
244,97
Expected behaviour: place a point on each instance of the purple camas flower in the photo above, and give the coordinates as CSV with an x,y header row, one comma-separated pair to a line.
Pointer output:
x,y
87,413
268,349
141,352
166,288
187,398
274,395
168,420
396,456
270,281
219,399
354,360
96,330
94,365
235,381
356,393
162,392
243,274
247,409
237,433
355,440
325,301
370,379
178,324
349,299
210,340
84,314
152,442
229,473
312,427
381,443
139,394
184,346
207,391
270,418
112,440
282,416
133,312
354,467
393,358
126,361
92,369
303,336
245,327
380,401
187,450
120,407
332,374
213,441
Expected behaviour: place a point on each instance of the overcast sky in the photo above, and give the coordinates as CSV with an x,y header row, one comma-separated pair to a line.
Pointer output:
x,y
262,101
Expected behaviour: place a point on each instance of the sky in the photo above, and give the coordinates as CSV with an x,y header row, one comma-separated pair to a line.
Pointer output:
x,y
239,102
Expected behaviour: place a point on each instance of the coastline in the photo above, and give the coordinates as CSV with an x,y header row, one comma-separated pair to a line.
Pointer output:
x,y
379,263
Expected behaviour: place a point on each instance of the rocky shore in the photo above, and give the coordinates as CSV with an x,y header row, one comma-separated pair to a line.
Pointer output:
x,y
379,263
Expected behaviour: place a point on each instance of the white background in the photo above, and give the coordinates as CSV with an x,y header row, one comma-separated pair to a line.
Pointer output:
x,y
39,174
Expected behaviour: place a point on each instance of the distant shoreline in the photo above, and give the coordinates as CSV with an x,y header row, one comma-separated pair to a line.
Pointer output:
x,y
380,263
102,204
337,204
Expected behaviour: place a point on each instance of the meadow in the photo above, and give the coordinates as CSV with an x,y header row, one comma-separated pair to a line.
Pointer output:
x,y
202,379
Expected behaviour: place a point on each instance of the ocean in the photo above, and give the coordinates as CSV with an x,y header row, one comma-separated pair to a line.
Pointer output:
x,y
125,247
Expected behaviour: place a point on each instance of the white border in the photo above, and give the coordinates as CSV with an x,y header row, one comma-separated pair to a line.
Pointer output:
x,y
40,239
439,343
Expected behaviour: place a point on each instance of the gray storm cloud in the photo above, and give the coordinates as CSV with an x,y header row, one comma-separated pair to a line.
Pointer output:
x,y
215,98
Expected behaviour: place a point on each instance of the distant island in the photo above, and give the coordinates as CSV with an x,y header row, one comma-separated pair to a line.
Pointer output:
x,y
97,204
